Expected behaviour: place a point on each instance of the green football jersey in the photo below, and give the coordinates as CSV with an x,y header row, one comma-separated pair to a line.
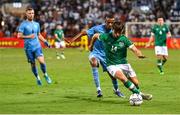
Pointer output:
x,y
160,34
115,48
59,34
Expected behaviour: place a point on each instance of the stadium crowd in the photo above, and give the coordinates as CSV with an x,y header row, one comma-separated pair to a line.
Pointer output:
x,y
74,15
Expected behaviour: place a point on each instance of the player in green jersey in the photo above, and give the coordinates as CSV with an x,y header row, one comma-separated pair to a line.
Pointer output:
x,y
59,41
160,32
116,45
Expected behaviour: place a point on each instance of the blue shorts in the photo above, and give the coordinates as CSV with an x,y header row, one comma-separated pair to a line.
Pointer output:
x,y
32,55
101,59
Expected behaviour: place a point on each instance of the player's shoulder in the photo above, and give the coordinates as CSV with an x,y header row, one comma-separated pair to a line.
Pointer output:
x,y
99,26
123,36
105,35
155,26
35,22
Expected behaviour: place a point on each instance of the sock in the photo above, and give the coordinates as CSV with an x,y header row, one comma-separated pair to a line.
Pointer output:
x,y
43,67
137,86
35,72
164,61
128,84
57,54
159,65
96,77
115,84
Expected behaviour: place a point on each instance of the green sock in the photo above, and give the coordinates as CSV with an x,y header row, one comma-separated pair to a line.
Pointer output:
x,y
164,61
159,65
137,86
128,84
57,54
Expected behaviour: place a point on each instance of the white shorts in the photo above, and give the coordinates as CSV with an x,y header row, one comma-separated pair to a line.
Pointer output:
x,y
161,50
125,68
60,44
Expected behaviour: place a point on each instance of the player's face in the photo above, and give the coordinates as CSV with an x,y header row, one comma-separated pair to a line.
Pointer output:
x,y
59,27
109,22
160,21
116,34
30,14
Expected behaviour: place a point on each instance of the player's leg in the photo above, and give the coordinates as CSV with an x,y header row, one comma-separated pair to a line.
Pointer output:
x,y
116,89
130,73
159,56
116,72
115,86
31,59
40,58
63,46
94,64
57,46
165,55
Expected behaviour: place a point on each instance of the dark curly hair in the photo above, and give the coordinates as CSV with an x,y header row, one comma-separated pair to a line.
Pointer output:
x,y
119,26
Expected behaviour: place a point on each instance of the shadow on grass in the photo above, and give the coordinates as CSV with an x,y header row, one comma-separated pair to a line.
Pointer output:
x,y
99,100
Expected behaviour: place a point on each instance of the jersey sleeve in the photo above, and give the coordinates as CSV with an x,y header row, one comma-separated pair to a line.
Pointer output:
x,y
128,42
167,29
153,29
90,32
103,37
38,31
21,28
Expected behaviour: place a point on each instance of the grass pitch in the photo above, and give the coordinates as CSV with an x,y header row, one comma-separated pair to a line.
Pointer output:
x,y
73,90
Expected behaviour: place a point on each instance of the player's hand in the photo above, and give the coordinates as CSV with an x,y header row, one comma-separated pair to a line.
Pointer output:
x,y
68,41
47,44
147,45
142,57
31,36
90,47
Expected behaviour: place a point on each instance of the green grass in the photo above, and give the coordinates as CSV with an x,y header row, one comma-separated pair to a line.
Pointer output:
x,y
73,90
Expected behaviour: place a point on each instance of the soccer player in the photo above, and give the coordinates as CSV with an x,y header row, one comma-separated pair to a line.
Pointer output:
x,y
59,41
97,55
160,32
116,45
29,30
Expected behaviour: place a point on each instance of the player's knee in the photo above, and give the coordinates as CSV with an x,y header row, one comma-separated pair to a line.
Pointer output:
x,y
119,75
33,64
94,62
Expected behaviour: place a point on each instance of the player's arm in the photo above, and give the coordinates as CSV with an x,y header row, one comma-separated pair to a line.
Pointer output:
x,y
82,33
21,36
94,38
136,51
150,40
56,37
170,36
44,40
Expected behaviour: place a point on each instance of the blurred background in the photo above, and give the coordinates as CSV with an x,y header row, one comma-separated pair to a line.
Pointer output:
x,y
75,15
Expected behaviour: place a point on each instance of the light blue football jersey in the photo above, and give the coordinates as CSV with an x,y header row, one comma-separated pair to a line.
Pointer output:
x,y
98,45
27,28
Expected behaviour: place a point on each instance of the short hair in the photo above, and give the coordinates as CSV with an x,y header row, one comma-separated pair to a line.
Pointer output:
x,y
160,17
111,15
119,26
29,9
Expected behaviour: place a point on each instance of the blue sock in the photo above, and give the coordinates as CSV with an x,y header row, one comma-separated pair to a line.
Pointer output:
x,y
43,67
115,84
35,71
96,77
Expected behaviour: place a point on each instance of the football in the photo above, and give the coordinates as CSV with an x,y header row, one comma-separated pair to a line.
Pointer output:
x,y
135,100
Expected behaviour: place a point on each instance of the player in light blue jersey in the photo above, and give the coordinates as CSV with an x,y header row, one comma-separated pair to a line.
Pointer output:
x,y
97,56
29,30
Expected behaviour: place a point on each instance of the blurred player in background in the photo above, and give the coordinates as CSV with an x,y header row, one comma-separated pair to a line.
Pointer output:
x,y
59,41
116,45
97,55
160,32
29,30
